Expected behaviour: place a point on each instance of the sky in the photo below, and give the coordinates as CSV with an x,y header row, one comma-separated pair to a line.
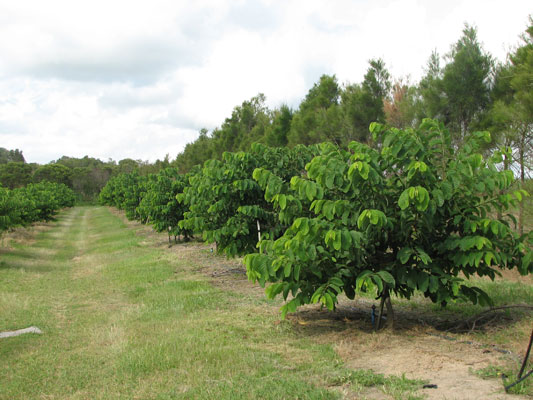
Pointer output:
x,y
115,79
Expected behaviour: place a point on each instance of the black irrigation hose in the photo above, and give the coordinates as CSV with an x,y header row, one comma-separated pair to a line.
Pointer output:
x,y
526,356
524,363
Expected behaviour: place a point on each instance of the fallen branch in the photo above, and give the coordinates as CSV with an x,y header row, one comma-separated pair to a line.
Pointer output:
x,y
471,323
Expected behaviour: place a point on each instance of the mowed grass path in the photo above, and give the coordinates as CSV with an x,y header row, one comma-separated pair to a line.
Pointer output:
x,y
124,320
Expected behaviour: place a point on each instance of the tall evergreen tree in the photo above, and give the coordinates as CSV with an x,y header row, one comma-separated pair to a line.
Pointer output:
x,y
277,134
247,124
363,104
318,118
432,102
512,113
11,156
466,84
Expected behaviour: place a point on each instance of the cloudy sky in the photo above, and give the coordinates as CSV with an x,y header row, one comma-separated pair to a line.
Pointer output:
x,y
139,79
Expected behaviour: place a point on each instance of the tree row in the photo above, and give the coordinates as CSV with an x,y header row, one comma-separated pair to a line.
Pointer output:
x,y
33,202
409,211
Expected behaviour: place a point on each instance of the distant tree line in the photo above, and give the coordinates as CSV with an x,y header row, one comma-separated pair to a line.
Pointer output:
x,y
467,90
10,156
85,176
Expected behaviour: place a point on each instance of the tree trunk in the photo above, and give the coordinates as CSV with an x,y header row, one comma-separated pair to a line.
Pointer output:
x,y
381,303
506,166
385,301
391,321
521,151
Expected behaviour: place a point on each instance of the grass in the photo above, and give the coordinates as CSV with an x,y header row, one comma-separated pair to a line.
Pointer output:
x,y
125,320
398,387
509,375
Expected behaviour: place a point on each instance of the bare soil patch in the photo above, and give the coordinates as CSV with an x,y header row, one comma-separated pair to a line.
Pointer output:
x,y
447,365
416,350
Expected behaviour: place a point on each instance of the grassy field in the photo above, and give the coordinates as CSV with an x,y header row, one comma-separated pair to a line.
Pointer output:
x,y
126,317
123,318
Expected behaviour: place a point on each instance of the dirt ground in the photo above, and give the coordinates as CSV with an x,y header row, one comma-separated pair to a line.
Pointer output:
x,y
416,349
418,352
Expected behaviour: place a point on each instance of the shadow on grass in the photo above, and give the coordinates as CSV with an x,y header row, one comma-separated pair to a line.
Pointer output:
x,y
23,253
28,267
357,314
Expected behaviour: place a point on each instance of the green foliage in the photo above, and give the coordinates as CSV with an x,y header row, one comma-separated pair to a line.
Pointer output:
x,y
7,156
195,153
47,197
57,173
6,210
458,94
125,191
159,205
15,174
318,118
512,113
35,202
466,82
149,199
277,133
415,214
226,204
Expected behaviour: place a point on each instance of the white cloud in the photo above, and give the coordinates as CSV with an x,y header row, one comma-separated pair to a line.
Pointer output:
x,y
130,78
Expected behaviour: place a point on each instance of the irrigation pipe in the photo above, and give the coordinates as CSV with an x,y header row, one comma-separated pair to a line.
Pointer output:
x,y
524,363
518,381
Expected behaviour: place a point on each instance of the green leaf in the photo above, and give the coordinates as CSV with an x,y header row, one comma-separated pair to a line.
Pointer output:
x,y
387,277
310,191
404,254
489,257
273,290
329,301
422,199
423,282
378,281
284,310
311,251
287,270
329,180
424,257
403,201
433,284
337,242
376,128
336,281
362,279
439,197
282,201
346,239
526,265
292,305
296,272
